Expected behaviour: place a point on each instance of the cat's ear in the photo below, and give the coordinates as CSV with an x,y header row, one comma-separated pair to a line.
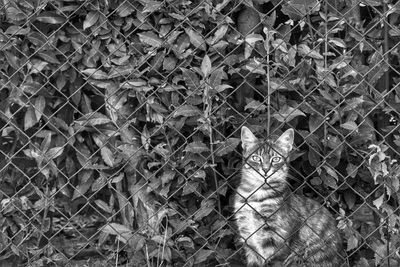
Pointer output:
x,y
248,138
286,139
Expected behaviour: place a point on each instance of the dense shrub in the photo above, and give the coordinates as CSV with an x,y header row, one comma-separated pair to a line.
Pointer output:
x,y
119,123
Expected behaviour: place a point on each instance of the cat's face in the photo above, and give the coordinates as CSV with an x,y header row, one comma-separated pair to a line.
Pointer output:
x,y
266,160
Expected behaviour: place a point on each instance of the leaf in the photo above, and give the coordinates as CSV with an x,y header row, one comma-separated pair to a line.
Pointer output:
x,y
185,242
167,176
96,74
216,76
37,38
145,137
169,63
227,147
350,198
379,201
81,189
352,243
17,30
255,105
93,119
12,59
124,233
351,170
191,79
29,118
85,182
287,114
107,156
196,147
49,56
331,172
338,42
51,18
40,103
150,38
298,9
103,205
152,6
91,18
206,66
350,125
186,111
202,255
219,33
118,178
315,122
99,183
196,39
54,152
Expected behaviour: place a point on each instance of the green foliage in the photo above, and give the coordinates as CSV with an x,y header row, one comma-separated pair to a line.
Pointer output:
x,y
127,112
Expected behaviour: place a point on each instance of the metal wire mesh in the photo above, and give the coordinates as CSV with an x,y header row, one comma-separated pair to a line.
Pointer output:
x,y
120,125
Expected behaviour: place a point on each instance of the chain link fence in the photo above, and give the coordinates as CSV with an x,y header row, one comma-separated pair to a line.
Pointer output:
x,y
120,125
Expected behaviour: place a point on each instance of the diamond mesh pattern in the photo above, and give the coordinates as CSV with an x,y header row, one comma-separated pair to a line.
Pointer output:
x,y
120,125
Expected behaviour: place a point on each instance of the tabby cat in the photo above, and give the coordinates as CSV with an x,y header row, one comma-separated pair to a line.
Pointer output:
x,y
276,226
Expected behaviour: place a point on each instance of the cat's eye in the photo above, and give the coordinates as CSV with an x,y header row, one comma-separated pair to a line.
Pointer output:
x,y
256,158
275,159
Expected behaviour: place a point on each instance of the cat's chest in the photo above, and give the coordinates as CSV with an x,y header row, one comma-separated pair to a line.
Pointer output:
x,y
258,210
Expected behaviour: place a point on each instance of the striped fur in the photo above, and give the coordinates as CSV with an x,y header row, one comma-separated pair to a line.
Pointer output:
x,y
275,225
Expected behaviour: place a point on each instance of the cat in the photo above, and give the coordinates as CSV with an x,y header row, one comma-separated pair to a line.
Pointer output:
x,y
274,225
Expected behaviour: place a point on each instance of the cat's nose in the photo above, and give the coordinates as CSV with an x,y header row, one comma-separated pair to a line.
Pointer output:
x,y
266,167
